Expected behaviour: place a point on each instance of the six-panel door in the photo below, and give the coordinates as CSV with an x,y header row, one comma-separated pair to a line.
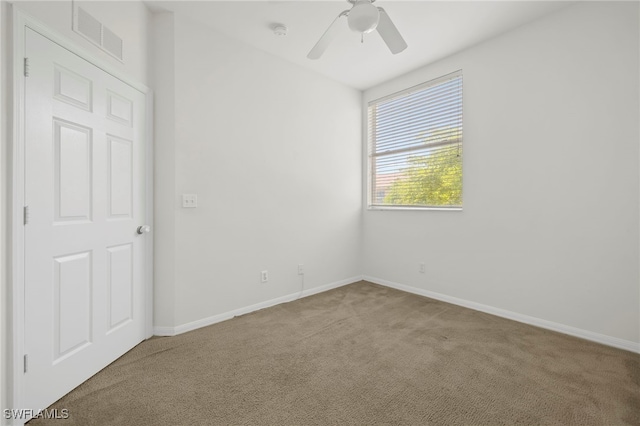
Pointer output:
x,y
84,185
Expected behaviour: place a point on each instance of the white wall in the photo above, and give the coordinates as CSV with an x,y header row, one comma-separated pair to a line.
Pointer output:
x,y
273,152
4,320
550,221
164,164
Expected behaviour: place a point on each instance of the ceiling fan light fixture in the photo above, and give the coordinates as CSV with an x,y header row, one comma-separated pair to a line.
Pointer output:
x,y
363,17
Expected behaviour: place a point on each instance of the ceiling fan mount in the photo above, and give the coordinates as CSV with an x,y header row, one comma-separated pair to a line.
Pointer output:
x,y
363,17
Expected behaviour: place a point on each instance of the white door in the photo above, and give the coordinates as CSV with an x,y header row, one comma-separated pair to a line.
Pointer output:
x,y
84,188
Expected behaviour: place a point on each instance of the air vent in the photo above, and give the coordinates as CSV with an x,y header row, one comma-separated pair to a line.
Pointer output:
x,y
89,27
111,43
96,32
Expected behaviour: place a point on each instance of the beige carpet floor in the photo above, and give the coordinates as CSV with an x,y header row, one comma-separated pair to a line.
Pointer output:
x,y
362,355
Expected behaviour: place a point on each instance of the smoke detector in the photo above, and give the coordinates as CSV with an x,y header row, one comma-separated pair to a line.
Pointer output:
x,y
280,30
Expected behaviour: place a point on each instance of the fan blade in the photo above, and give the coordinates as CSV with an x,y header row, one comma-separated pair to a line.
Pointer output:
x,y
390,34
326,38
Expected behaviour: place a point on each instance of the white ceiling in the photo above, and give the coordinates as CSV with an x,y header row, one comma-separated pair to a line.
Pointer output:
x,y
432,29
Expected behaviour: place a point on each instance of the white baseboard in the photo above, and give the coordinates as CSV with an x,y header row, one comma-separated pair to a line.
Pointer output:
x,y
526,319
173,331
164,331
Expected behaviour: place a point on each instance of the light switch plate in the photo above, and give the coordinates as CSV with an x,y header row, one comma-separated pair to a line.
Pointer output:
x,y
189,201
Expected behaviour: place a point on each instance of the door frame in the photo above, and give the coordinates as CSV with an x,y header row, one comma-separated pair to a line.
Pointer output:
x,y
21,21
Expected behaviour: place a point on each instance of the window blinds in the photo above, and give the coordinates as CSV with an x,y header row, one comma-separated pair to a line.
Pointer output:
x,y
415,146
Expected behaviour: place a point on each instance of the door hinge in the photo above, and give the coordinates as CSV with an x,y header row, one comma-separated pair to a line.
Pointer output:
x,y
26,215
26,67
26,361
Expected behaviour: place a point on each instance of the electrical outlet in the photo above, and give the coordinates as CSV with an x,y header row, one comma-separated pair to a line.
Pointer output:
x,y
264,276
300,269
189,201
422,268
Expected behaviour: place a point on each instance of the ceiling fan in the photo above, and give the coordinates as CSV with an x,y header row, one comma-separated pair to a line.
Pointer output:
x,y
363,17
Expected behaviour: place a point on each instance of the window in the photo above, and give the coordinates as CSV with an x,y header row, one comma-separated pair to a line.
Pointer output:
x,y
415,146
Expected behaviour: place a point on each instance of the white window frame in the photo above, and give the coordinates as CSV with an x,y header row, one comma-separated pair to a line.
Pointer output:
x,y
368,150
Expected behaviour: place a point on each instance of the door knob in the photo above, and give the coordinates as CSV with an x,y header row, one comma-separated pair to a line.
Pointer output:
x,y
143,229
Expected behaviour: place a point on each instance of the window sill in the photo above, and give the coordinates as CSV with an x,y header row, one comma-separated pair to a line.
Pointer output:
x,y
389,208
